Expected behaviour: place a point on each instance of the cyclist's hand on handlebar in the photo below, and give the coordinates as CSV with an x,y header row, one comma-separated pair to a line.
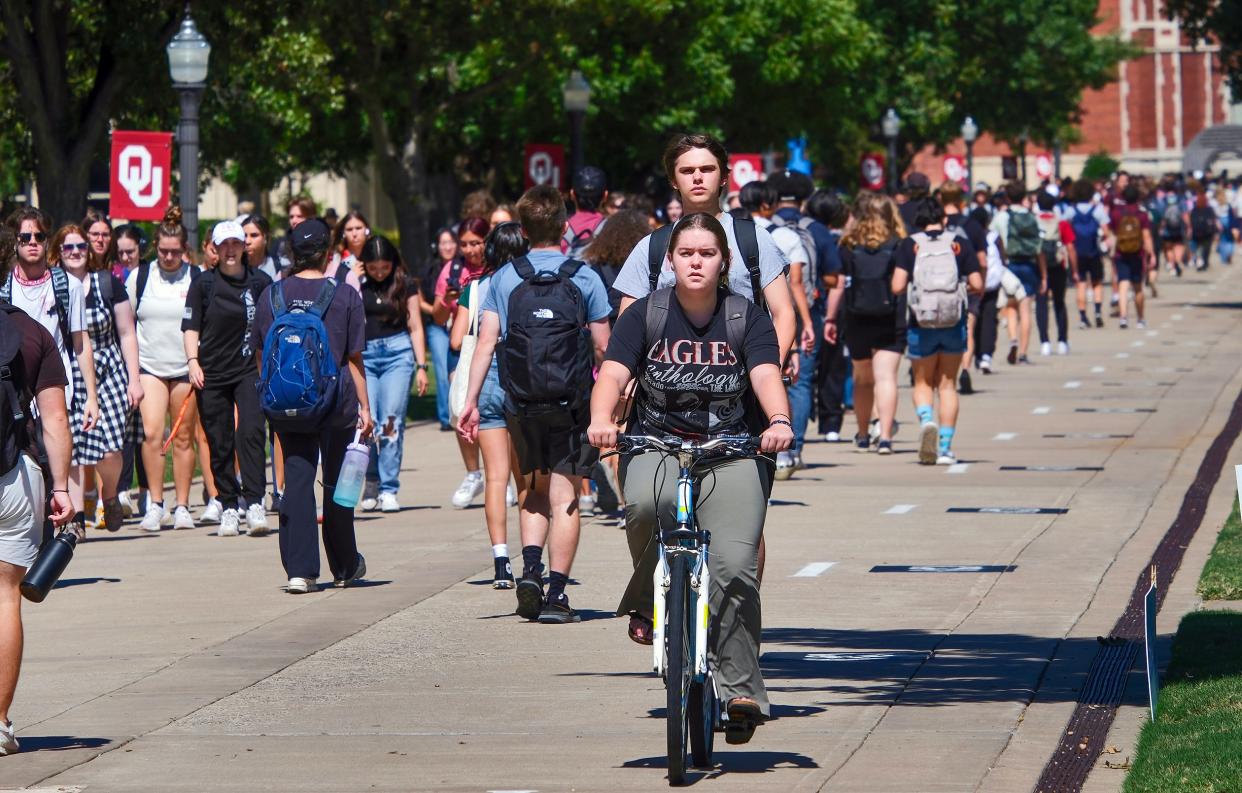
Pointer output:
x,y
776,438
602,435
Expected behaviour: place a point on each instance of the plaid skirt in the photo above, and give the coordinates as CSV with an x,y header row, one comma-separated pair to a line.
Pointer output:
x,y
112,389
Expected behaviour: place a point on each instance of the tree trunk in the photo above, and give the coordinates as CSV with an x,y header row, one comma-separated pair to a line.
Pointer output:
x,y
403,178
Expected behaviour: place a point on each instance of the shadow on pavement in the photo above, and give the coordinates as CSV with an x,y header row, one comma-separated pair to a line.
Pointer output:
x,y
1233,305
65,582
118,537
728,761
58,743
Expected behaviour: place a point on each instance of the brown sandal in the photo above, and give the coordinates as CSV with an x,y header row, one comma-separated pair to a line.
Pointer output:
x,y
742,716
640,629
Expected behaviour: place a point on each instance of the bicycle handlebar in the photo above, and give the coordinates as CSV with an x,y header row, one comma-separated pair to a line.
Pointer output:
x,y
743,445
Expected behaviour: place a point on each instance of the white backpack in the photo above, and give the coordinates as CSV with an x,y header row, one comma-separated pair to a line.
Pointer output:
x,y
936,295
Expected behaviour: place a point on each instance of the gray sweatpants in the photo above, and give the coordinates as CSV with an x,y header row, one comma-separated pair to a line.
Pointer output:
x,y
732,502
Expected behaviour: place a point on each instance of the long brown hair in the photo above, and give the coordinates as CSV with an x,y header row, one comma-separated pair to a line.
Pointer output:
x,y
380,248
614,240
58,239
876,221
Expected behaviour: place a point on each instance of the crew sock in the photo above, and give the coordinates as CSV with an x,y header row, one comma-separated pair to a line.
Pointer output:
x,y
946,438
556,585
532,564
500,551
924,412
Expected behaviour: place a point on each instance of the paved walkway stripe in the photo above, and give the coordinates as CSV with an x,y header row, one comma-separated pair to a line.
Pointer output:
x,y
944,568
1073,384
1005,436
1042,410
813,569
1098,370
900,509
1122,355
958,468
1011,510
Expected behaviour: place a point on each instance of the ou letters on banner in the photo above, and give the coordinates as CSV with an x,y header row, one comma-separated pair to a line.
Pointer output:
x,y
545,164
872,171
954,168
744,169
139,182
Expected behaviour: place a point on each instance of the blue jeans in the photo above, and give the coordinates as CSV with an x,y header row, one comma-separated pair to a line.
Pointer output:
x,y
438,345
801,392
1225,246
389,364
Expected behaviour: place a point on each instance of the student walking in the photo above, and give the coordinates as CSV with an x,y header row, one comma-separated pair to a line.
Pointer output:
x,y
341,412
219,345
1019,231
446,255
1059,259
549,315
1134,251
1090,224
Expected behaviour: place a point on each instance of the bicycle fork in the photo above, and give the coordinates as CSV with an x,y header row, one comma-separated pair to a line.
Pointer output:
x,y
700,589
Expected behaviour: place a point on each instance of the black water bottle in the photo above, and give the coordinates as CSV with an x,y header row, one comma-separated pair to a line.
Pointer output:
x,y
48,568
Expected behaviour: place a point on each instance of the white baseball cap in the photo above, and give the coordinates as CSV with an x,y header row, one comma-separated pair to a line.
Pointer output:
x,y
227,230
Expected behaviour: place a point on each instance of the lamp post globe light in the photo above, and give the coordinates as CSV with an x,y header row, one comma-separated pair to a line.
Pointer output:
x,y
890,125
188,54
577,95
970,133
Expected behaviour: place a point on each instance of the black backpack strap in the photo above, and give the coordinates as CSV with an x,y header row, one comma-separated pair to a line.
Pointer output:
x,y
144,273
736,307
326,292
524,268
569,268
60,289
748,246
656,251
342,272
657,314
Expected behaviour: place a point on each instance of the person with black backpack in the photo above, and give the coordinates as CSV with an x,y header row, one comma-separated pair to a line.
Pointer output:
x,y
1019,232
309,332
875,319
1090,223
1204,226
546,317
34,483
700,354
589,192
219,345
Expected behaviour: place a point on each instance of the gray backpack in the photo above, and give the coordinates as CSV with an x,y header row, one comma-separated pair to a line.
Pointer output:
x,y
810,273
936,295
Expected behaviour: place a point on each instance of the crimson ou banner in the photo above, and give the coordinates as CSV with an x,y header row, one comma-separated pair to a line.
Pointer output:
x,y
545,164
141,165
871,172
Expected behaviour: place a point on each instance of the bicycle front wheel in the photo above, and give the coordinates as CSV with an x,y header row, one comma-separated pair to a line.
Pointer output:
x,y
679,672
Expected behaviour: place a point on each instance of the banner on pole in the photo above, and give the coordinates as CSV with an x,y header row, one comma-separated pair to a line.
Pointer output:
x,y
139,180
545,164
872,172
744,169
954,169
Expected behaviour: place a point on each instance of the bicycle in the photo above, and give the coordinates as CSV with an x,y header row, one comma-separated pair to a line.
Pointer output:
x,y
681,612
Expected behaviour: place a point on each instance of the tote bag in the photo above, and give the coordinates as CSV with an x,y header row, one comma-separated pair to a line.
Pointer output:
x,y
461,375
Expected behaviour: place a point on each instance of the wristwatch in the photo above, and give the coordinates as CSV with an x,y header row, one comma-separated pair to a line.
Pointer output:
x,y
421,366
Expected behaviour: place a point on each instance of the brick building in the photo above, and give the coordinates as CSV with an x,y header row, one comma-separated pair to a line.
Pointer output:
x,y
1159,103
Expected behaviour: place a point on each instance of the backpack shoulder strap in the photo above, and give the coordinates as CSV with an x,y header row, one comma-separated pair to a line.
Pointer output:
x,y
735,307
6,289
326,292
657,314
103,287
657,249
144,273
342,272
524,268
60,288
748,246
569,268
277,298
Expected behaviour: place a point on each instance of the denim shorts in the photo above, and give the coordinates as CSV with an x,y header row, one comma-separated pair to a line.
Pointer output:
x,y
926,342
1129,269
1028,274
492,402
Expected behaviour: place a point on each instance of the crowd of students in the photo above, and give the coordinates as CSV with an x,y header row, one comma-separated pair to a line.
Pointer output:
x,y
542,329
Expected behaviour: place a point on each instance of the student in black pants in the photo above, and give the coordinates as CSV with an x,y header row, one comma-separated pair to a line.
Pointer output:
x,y
344,321
220,309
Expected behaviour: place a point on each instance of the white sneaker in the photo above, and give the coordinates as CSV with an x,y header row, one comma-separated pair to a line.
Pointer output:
x,y
784,465
1142,324
510,496
182,519
154,517
300,586
832,437
929,439
8,739
985,364
127,506
1062,348
368,504
229,521
468,490
388,502
1045,348
946,458
586,504
873,431
212,512
256,521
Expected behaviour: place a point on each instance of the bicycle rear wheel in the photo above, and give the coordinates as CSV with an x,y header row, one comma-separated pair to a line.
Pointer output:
x,y
702,718
678,671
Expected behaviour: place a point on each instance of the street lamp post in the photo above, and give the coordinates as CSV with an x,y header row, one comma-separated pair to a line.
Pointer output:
x,y
970,132
577,96
1022,149
188,53
890,125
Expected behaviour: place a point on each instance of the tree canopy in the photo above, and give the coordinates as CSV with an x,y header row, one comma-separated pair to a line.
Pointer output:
x,y
1218,19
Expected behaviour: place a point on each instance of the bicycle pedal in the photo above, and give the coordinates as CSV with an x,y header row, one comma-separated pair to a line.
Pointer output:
x,y
739,732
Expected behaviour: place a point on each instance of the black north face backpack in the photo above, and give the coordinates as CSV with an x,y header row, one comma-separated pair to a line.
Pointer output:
x,y
547,354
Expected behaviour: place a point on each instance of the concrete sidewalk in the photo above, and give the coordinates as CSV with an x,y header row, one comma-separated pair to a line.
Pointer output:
x,y
175,662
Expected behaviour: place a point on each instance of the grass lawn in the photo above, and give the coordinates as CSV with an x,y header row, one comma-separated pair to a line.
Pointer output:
x,y
1195,744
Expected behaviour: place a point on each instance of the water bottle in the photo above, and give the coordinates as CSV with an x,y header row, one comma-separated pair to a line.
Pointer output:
x,y
48,568
353,473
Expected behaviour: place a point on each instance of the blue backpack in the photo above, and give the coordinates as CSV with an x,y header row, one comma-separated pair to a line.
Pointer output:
x,y
298,381
1086,233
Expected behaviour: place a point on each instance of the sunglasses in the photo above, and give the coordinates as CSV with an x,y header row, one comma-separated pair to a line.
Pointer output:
x,y
99,235
25,237
71,247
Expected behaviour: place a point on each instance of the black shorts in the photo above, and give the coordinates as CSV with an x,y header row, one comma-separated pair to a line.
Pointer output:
x,y
1091,267
551,440
973,301
865,335
183,378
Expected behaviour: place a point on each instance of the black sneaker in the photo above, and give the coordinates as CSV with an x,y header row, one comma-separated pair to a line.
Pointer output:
x,y
966,386
556,611
503,579
1013,354
1022,359
1099,321
884,447
529,596
862,443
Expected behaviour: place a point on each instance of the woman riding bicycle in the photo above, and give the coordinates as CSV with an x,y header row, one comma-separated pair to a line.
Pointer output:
x,y
691,383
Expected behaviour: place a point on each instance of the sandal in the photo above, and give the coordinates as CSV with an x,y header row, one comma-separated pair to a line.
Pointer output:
x,y
743,715
640,629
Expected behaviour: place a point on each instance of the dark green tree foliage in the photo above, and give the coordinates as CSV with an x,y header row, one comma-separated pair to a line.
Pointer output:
x,y
1218,19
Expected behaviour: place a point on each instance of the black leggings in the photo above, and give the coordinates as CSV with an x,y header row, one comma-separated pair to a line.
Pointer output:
x,y
1056,291
985,325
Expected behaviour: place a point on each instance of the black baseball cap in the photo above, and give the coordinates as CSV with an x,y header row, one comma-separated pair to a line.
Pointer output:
x,y
590,181
791,185
918,181
312,236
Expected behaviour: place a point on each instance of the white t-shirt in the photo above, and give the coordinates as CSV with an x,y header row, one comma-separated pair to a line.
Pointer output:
x,y
161,350
633,279
790,245
39,302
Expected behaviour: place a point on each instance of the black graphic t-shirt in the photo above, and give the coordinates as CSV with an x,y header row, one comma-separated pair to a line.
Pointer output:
x,y
222,309
691,382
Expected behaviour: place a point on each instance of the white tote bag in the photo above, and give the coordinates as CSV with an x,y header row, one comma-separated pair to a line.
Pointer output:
x,y
461,375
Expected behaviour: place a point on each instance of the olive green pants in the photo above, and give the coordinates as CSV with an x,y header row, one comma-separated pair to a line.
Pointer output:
x,y
732,500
